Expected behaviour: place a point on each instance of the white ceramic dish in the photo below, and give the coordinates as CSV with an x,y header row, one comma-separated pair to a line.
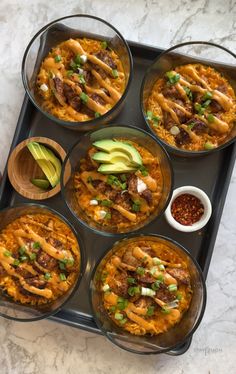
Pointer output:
x,y
201,195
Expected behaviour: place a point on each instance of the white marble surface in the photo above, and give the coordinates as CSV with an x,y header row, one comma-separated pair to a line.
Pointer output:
x,y
46,347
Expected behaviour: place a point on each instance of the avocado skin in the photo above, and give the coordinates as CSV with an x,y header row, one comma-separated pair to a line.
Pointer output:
x,y
109,145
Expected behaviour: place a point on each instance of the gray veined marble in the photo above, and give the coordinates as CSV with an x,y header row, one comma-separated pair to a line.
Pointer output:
x,y
46,347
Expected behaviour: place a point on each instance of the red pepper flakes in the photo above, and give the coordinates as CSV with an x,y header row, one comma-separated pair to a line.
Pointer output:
x,y
187,209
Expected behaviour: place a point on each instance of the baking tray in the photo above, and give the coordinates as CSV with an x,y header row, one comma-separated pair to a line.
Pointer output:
x,y
211,173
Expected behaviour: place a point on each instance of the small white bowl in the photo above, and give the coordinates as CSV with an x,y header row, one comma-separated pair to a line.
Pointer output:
x,y
201,195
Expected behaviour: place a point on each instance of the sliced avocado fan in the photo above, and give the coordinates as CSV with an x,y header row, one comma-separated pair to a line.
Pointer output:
x,y
47,161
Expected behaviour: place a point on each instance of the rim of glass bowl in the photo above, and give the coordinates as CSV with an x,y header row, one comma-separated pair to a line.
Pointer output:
x,y
199,270
102,232
175,150
82,261
71,124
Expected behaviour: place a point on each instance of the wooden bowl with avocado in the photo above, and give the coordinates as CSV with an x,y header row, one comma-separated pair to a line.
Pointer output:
x,y
34,168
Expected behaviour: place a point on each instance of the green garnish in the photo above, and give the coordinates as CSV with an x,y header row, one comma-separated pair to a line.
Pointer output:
x,y
150,311
179,296
23,258
199,109
156,261
21,250
156,285
188,92
36,245
123,178
104,276
123,321
81,79
106,202
119,316
70,261
136,206
140,270
208,145
210,118
47,276
57,58
122,303
69,73
104,44
131,280
172,287
62,277
89,179
7,253
112,180
84,97
112,308
191,125
143,171
62,265
73,65
151,117
133,291
32,256
97,114
16,262
77,59
144,258
207,96
160,278
108,215
172,77
115,73
161,267
206,104
165,310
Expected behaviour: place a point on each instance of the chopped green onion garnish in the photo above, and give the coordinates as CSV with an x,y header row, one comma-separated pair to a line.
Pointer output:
x,y
172,287
207,96
150,311
21,250
23,258
84,97
112,308
208,145
172,77
36,245
16,262
136,206
156,261
206,103
71,261
123,321
119,316
104,44
115,73
104,276
7,253
156,285
191,125
69,73
144,259
122,303
210,118
140,270
147,292
57,58
123,178
32,256
149,115
108,215
62,277
143,171
199,109
106,202
97,115
179,296
131,280
188,92
81,79
62,265
133,291
160,278
77,59
106,287
47,276
153,270
165,310
161,267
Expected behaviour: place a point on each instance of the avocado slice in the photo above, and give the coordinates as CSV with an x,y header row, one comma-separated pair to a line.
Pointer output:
x,y
111,158
41,183
109,145
117,168
47,161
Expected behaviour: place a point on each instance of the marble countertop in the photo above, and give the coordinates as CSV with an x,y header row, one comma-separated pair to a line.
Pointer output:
x,y
47,347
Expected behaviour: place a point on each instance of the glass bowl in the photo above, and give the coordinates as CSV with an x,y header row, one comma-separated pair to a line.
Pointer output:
x,y
20,312
175,336
207,53
78,25
78,151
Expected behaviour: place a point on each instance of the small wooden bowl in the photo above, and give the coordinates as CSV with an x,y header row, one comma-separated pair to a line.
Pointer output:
x,y
22,167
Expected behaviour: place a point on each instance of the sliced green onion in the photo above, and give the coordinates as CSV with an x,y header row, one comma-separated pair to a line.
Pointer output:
x,y
112,308
7,253
32,256
153,270
133,291
106,202
143,171
62,277
206,103
172,287
199,109
23,258
97,114
104,276
165,310
179,296
119,316
140,270
149,115
81,79
104,44
115,73
156,285
123,321
122,303
84,97
108,215
161,267
36,245
21,250
172,77
16,262
150,311
106,287
160,278
156,261
47,276
188,92
70,261
69,73
191,125
136,206
207,96
62,265
208,145
147,292
131,280
123,178
77,59
210,118
57,58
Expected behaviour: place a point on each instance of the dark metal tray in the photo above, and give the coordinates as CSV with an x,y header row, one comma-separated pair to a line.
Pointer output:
x,y
211,173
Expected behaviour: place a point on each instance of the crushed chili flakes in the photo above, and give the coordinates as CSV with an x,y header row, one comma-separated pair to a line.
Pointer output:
x,y
187,209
